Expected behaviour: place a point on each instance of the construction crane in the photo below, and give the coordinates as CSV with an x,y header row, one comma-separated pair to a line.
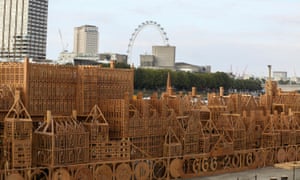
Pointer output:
x,y
294,79
244,72
64,46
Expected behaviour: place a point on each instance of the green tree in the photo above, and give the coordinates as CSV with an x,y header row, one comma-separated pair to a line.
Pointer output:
x,y
151,79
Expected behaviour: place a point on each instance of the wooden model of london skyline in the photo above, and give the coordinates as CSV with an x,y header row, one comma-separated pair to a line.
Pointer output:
x,y
83,122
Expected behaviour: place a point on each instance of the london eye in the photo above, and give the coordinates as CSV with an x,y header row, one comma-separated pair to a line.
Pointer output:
x,y
139,29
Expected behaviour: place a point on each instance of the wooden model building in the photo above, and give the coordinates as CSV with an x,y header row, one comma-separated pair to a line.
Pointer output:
x,y
84,122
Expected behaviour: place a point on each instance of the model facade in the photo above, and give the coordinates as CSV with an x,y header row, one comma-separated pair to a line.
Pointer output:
x,y
84,122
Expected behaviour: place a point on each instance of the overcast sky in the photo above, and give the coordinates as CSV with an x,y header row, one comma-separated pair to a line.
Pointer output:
x,y
242,36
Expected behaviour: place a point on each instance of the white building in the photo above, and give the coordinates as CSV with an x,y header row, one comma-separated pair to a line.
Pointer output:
x,y
86,40
280,75
118,58
23,29
164,56
147,61
295,80
181,66
66,58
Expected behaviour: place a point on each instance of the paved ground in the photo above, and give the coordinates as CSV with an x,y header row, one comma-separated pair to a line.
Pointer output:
x,y
257,174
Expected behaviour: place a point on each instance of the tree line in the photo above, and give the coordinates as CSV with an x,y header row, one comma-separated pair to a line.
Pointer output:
x,y
151,79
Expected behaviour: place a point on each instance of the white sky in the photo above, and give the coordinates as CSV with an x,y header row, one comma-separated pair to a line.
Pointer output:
x,y
239,35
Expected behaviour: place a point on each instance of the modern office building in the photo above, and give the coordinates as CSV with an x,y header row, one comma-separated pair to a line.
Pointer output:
x,y
118,58
23,29
86,40
164,55
182,66
280,76
147,61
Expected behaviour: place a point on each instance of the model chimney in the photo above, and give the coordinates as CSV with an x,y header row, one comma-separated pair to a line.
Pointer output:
x,y
49,116
270,70
112,64
221,91
194,91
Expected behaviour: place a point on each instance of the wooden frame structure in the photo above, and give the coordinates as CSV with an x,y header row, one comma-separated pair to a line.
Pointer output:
x,y
83,122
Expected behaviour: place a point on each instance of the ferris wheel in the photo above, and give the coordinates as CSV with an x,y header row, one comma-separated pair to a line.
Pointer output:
x,y
139,29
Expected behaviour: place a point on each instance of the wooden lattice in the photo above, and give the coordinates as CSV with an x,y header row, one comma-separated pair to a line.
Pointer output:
x,y
172,144
112,150
98,129
64,88
112,134
61,140
235,127
18,135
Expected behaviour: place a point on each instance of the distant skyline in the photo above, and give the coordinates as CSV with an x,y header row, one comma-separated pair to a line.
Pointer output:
x,y
242,36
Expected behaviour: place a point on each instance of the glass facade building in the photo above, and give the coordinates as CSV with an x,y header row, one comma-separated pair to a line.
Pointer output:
x,y
86,40
23,29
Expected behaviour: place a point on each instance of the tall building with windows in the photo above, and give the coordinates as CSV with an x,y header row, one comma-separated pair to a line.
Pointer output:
x,y
164,56
23,29
86,40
